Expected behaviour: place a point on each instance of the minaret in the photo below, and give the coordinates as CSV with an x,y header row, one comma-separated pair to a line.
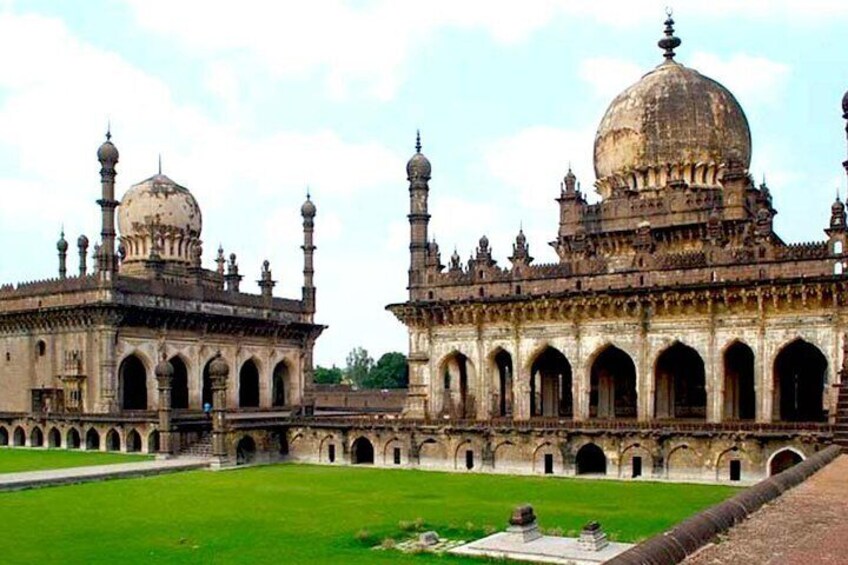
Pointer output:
x,y
82,245
308,212
107,154
418,174
265,282
62,248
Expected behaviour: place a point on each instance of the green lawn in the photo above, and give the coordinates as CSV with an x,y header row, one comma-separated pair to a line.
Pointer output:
x,y
28,459
311,514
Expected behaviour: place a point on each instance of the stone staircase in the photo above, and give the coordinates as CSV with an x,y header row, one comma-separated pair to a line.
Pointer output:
x,y
201,448
840,428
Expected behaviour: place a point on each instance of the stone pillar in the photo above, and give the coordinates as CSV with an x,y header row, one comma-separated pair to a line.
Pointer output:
x,y
219,370
107,397
713,379
521,406
164,375
762,381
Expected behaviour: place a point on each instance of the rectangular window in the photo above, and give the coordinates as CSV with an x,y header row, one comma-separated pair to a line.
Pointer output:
x,y
331,454
549,463
735,469
469,459
397,456
636,467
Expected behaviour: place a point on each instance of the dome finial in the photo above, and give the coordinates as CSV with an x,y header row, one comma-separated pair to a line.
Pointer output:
x,y
160,163
109,130
418,141
670,41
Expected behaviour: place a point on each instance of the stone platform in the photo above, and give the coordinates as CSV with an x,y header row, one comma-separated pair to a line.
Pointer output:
x,y
54,477
545,549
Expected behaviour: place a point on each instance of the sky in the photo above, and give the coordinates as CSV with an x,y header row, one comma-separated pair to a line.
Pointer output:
x,y
250,103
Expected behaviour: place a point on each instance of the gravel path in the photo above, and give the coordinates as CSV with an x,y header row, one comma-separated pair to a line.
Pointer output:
x,y
806,526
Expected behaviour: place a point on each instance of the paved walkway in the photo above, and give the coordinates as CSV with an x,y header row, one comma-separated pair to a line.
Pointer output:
x,y
807,525
35,479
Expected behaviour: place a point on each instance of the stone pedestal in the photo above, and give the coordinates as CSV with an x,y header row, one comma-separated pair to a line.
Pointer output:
x,y
522,525
592,537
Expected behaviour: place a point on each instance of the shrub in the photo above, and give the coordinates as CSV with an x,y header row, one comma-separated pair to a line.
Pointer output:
x,y
388,543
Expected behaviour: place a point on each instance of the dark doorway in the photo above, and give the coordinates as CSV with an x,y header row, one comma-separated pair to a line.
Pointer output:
x,y
4,436
735,470
249,385
591,460
18,437
739,400
613,385
397,455
331,453
799,372
113,441
458,398
133,382
245,451
469,459
680,384
281,378
133,442
72,439
36,438
92,440
503,364
179,384
636,467
549,463
54,438
362,452
783,460
206,392
153,442
550,385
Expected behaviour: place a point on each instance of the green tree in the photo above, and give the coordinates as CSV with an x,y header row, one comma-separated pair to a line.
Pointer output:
x,y
325,376
359,365
391,371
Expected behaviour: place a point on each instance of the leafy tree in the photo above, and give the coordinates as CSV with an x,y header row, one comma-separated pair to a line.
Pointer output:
x,y
325,376
359,365
391,371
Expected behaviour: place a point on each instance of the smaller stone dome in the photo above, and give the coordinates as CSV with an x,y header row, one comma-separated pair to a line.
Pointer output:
x,y
418,166
164,368
107,152
82,242
218,367
62,245
308,209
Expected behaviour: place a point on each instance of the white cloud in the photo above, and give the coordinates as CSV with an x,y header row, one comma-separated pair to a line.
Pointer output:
x,y
608,75
752,79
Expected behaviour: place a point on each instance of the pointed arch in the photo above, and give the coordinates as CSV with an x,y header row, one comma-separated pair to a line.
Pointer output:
x,y
92,440
800,370
133,442
153,442
54,438
501,367
132,382
739,398
591,460
248,384
18,437
4,436
245,450
783,459
459,383
36,437
680,383
206,397
113,440
362,451
612,380
550,384
179,383
72,439
281,385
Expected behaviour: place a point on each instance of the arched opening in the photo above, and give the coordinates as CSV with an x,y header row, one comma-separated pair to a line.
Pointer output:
x,y
179,384
550,385
4,436
113,441
133,383
133,442
362,452
206,392
459,399
92,440
36,438
18,437
783,460
249,385
245,451
799,377
54,438
739,399
613,385
72,439
153,442
280,384
41,348
591,460
503,367
680,384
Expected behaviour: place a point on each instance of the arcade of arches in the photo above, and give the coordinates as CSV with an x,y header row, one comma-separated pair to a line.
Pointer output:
x,y
607,385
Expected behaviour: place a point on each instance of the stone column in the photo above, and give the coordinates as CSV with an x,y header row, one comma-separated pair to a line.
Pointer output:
x,y
219,370
107,397
164,375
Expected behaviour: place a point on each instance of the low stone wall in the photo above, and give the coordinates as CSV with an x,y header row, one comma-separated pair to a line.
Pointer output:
x,y
692,534
388,400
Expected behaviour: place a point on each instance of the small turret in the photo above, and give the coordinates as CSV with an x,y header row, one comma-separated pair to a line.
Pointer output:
x,y
107,154
62,248
82,246
265,282
232,278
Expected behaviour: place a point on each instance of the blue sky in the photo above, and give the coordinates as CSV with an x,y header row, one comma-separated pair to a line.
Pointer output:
x,y
251,102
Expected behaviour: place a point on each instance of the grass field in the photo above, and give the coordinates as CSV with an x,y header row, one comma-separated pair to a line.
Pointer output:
x,y
27,459
311,514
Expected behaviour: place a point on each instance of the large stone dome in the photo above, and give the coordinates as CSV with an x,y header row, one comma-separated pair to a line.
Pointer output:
x,y
673,125
159,217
